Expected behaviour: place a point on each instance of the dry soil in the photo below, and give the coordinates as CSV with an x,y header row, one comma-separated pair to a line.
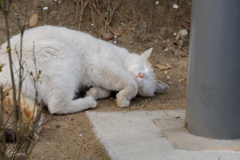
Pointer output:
x,y
70,136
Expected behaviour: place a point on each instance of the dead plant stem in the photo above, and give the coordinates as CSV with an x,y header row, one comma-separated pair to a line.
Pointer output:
x,y
6,13
94,6
77,11
81,12
133,11
137,10
3,136
127,25
124,15
169,46
170,115
79,150
99,11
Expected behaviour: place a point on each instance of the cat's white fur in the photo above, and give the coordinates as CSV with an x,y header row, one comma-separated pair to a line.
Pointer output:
x,y
70,60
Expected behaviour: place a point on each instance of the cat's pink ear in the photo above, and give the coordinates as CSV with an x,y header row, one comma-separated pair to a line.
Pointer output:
x,y
147,53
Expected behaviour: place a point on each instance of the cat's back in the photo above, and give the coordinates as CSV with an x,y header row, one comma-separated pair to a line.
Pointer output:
x,y
47,33
83,43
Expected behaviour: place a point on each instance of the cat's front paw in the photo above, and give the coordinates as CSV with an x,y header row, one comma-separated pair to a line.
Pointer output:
x,y
91,102
123,102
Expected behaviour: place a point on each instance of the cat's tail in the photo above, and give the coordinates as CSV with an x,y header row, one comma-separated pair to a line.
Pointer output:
x,y
28,114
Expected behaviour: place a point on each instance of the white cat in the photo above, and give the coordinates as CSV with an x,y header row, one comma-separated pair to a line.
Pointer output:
x,y
70,60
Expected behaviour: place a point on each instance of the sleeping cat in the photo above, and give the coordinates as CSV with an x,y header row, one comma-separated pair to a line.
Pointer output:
x,y
70,60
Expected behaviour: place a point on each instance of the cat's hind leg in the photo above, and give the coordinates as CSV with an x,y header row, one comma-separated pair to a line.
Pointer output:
x,y
61,78
98,93
60,89
60,105
60,93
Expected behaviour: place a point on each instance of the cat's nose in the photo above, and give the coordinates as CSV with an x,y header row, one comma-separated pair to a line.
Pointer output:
x,y
140,75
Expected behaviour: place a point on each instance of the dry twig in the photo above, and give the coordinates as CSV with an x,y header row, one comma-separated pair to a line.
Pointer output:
x,y
127,25
121,14
118,4
186,25
115,7
182,47
79,150
137,10
180,4
83,6
83,154
120,17
186,19
133,11
95,7
171,115
169,46
77,10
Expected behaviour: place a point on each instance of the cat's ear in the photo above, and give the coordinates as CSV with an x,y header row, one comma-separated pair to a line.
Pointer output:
x,y
161,87
147,53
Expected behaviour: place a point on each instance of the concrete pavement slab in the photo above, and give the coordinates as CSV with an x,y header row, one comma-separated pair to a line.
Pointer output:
x,y
174,131
152,135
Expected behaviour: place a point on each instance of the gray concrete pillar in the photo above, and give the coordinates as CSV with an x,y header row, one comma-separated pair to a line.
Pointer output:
x,y
213,91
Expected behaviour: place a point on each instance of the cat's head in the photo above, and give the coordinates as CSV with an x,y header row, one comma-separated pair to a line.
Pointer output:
x,y
142,72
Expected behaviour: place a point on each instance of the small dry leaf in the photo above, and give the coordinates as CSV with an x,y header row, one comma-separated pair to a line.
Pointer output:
x,y
168,65
116,33
33,20
160,66
108,36
166,49
163,67
46,126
